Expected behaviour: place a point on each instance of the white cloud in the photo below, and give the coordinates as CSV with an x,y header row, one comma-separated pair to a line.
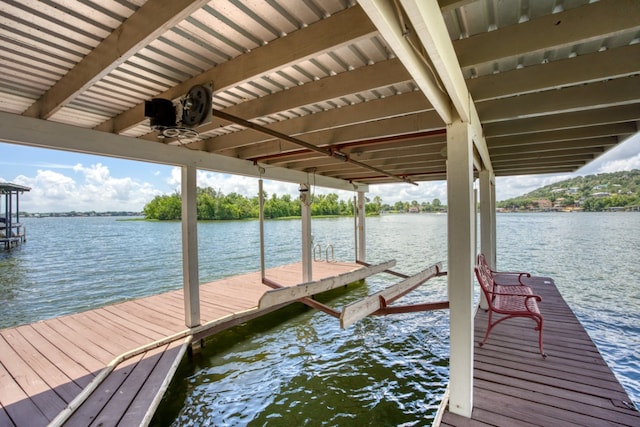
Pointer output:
x,y
424,192
625,156
94,190
621,165
243,185
513,186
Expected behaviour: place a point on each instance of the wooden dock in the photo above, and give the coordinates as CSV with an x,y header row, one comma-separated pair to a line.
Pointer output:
x,y
515,386
135,346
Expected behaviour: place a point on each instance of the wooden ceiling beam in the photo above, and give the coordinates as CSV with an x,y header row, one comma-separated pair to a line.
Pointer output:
x,y
48,134
361,150
328,151
547,154
573,26
440,175
542,167
611,63
408,172
574,119
401,151
384,16
598,131
323,166
403,125
151,20
536,170
625,90
564,145
375,109
551,161
340,29
428,22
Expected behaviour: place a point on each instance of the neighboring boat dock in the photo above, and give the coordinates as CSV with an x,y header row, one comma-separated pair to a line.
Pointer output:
x,y
515,386
12,232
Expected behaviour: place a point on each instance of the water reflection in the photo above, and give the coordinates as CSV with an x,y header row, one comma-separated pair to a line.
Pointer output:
x,y
297,367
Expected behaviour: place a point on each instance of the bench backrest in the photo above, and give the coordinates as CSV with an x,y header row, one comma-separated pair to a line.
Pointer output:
x,y
482,261
485,278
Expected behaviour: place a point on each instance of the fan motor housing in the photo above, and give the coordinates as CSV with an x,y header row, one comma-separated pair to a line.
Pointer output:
x,y
161,113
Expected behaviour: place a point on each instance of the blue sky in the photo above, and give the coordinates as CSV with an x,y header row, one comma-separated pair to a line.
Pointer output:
x,y
65,181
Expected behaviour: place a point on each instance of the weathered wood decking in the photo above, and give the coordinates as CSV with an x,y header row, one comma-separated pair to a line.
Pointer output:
x,y
515,386
44,366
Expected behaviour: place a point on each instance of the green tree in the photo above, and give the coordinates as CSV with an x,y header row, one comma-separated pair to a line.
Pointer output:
x,y
164,208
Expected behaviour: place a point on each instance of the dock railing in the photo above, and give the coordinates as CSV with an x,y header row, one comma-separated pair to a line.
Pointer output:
x,y
329,255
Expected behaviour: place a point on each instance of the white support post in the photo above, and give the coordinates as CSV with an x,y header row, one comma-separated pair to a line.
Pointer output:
x,y
487,222
461,247
307,241
488,217
362,247
494,226
261,208
190,247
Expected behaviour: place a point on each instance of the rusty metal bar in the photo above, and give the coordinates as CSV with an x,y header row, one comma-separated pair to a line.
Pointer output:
x,y
360,143
442,305
326,151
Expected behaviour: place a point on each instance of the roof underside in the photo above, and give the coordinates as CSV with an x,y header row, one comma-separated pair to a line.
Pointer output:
x,y
555,83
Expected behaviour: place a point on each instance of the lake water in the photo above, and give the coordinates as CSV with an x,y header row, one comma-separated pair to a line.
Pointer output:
x,y
296,366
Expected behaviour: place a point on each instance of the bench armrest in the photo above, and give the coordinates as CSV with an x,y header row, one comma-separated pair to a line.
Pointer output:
x,y
496,275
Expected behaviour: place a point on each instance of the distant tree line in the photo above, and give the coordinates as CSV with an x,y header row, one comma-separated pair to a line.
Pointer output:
x,y
215,205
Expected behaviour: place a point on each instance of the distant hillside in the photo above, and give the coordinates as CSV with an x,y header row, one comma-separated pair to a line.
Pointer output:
x,y
590,193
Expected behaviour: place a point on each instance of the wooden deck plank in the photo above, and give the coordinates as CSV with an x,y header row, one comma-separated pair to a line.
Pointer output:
x,y
94,405
164,307
571,401
136,317
154,385
514,385
235,295
94,344
5,419
93,358
150,312
140,332
41,366
74,370
121,398
66,353
25,378
22,410
97,332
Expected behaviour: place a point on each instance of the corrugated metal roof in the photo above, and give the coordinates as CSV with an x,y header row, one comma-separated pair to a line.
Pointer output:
x,y
321,71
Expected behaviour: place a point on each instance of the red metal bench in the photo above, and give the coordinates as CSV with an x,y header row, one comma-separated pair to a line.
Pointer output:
x,y
515,300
